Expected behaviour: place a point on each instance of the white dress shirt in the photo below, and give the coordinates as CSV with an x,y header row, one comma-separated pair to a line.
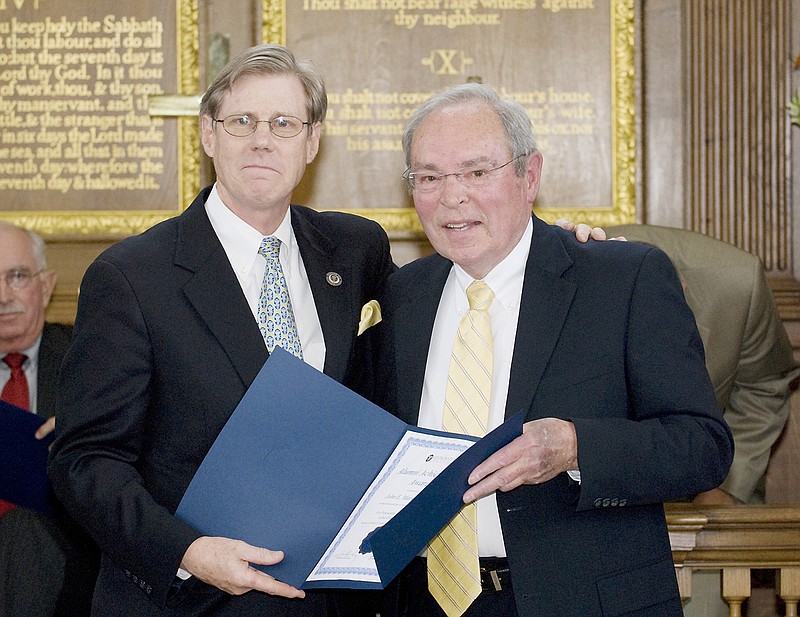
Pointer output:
x,y
241,243
506,281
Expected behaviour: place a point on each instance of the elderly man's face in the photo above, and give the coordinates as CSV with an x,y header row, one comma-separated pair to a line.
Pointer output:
x,y
476,227
21,311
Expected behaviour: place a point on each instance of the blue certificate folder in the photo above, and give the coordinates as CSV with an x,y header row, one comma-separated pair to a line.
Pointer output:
x,y
295,458
23,460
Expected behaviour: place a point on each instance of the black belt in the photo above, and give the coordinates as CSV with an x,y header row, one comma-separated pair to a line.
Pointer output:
x,y
495,575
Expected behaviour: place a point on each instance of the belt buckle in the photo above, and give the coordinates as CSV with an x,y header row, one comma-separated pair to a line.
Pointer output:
x,y
495,580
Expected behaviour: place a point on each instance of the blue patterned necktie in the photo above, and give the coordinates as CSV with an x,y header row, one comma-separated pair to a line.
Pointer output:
x,y
275,315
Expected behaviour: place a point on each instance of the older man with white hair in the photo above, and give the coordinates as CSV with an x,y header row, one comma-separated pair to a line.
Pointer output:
x,y
47,565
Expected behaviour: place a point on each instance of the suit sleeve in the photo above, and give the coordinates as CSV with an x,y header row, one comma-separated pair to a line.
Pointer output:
x,y
758,404
102,415
671,441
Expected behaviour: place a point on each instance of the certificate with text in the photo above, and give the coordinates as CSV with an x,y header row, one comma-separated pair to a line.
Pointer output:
x,y
416,460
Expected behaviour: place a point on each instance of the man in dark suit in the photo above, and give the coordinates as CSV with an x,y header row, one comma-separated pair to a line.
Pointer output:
x,y
47,565
594,341
168,339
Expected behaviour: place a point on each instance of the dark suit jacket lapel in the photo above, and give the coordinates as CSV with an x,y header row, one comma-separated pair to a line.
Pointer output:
x,y
215,293
414,326
334,303
546,298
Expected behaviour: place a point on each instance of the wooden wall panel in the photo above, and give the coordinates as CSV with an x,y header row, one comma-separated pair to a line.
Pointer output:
x,y
737,63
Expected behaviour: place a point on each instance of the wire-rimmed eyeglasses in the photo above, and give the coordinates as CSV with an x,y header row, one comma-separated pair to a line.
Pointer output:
x,y
19,278
425,181
242,125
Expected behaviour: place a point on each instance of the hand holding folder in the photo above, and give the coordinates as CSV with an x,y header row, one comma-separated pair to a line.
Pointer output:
x,y
306,466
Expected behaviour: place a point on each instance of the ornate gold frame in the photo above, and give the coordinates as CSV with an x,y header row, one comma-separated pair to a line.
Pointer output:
x,y
105,223
623,210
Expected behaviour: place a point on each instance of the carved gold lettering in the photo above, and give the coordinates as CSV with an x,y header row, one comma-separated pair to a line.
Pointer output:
x,y
73,103
464,5
321,5
18,4
557,5
424,5
360,5
367,120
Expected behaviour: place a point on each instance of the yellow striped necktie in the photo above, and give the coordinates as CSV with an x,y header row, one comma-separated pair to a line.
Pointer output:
x,y
453,567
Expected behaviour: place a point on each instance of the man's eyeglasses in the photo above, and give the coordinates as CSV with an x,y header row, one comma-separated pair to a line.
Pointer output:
x,y
242,125
429,181
19,278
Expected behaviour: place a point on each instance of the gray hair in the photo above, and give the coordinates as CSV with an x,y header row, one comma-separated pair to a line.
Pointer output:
x,y
37,244
263,60
513,117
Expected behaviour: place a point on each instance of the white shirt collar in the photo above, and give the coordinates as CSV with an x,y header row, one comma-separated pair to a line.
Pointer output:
x,y
240,240
31,352
506,278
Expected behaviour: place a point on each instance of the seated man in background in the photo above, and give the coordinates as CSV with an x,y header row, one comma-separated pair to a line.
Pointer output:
x,y
47,566
748,356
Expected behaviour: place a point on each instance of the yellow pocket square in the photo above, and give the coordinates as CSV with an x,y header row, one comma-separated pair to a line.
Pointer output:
x,y
370,315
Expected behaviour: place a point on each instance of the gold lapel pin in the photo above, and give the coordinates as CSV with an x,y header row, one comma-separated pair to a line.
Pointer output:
x,y
334,279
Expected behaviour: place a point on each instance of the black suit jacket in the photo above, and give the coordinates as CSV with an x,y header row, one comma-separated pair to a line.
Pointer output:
x,y
165,346
605,340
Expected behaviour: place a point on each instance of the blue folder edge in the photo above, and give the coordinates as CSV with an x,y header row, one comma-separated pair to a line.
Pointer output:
x,y
23,460
281,474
